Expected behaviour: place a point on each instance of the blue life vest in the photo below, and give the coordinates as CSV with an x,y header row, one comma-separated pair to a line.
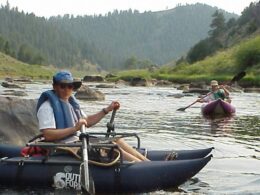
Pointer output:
x,y
58,107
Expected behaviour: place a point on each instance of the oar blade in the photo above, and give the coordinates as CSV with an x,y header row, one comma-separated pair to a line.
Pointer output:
x,y
181,109
86,181
238,77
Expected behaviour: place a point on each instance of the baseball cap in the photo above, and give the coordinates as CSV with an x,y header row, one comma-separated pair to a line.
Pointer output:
x,y
65,76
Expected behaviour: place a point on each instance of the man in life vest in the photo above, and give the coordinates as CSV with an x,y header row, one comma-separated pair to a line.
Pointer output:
x,y
60,118
217,92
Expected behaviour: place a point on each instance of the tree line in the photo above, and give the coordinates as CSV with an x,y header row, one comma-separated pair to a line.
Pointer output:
x,y
111,41
224,34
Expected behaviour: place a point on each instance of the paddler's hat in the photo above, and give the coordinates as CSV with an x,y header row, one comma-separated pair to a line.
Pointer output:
x,y
65,77
214,83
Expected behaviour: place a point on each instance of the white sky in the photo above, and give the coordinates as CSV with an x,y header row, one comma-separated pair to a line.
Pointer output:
x,y
49,8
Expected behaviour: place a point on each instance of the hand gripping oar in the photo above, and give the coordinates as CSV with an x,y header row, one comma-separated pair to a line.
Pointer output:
x,y
87,183
237,77
110,124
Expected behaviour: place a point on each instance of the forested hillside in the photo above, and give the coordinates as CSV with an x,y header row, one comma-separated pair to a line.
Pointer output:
x,y
231,47
224,34
109,41
25,35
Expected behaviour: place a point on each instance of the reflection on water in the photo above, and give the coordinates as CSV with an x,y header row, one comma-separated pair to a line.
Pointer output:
x,y
152,113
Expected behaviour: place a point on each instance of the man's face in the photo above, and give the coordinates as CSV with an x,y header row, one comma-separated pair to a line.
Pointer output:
x,y
63,90
214,87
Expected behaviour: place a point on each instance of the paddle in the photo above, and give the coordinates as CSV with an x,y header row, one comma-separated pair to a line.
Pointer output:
x,y
87,183
110,124
237,77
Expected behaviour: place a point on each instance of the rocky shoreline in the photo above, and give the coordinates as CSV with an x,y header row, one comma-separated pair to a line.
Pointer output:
x,y
16,86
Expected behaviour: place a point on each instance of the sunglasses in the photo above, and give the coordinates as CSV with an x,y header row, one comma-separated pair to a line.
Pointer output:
x,y
66,85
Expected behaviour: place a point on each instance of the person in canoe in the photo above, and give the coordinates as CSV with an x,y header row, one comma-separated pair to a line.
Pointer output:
x,y
60,117
217,92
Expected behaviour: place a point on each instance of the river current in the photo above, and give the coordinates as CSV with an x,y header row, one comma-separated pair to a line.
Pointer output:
x,y
152,113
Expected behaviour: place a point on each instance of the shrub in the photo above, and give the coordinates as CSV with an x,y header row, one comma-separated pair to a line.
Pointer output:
x,y
248,54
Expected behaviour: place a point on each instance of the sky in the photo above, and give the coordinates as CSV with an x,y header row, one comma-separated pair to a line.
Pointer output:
x,y
49,8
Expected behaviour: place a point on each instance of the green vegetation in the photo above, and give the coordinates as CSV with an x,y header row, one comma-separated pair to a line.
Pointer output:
x,y
223,35
108,41
133,40
248,54
230,48
211,44
10,67
244,56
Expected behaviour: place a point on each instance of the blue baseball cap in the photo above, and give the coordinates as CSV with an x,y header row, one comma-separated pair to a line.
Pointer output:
x,y
65,76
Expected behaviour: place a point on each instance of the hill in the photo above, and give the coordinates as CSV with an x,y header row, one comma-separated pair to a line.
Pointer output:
x,y
10,67
243,56
225,34
110,40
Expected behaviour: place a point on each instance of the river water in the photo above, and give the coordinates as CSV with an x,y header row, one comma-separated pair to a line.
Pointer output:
x,y
152,113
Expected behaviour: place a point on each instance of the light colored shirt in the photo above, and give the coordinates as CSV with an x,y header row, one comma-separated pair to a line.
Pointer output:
x,y
46,120
46,117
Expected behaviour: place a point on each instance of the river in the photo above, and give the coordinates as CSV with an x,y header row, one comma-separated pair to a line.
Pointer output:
x,y
152,113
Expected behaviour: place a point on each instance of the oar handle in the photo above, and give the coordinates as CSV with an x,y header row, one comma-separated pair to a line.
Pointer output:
x,y
110,125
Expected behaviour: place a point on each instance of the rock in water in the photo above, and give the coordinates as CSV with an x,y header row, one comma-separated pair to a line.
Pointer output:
x,y
18,120
85,93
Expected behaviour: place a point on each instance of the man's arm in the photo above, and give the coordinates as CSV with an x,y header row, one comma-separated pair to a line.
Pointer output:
x,y
226,92
57,134
95,118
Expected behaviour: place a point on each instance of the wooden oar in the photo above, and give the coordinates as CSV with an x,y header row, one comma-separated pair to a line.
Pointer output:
x,y
237,77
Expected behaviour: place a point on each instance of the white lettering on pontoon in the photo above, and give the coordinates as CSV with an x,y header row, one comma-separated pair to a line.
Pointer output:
x,y
67,180
73,180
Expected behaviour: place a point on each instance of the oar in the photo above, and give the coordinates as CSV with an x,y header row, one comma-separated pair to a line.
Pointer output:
x,y
183,109
87,183
110,124
237,77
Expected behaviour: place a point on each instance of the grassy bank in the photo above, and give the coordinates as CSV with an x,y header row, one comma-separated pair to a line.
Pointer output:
x,y
244,56
10,67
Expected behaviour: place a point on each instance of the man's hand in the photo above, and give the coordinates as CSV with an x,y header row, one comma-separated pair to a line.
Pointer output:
x,y
222,87
80,123
113,106
199,100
